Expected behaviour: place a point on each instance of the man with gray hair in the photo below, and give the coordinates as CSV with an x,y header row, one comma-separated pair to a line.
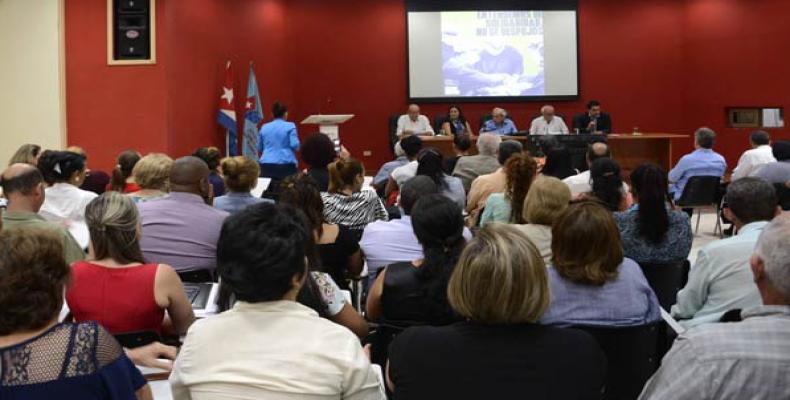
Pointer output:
x,y
720,279
548,123
499,124
485,162
702,161
749,359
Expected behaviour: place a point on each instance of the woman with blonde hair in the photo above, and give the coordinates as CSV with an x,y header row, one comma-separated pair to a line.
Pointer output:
x,y
499,285
26,154
240,175
152,175
117,288
546,201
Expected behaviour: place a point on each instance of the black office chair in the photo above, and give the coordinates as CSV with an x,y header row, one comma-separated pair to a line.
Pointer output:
x,y
702,192
381,338
438,121
197,276
666,280
393,131
131,340
783,193
632,358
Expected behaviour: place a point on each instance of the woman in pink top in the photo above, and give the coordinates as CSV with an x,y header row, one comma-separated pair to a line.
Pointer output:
x,y
117,288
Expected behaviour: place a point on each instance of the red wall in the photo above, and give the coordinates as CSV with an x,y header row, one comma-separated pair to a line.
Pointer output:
x,y
661,65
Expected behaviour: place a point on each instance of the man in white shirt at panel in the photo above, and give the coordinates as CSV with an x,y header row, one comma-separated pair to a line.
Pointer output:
x,y
752,160
413,123
548,123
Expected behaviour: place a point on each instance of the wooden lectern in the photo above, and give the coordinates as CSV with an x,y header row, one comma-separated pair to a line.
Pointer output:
x,y
329,125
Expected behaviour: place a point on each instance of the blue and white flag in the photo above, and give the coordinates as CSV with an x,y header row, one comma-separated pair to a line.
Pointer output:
x,y
253,115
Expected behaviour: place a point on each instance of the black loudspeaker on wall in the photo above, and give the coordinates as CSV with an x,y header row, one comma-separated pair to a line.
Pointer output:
x,y
132,26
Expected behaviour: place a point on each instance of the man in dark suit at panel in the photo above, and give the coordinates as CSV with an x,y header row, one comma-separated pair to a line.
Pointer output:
x,y
593,121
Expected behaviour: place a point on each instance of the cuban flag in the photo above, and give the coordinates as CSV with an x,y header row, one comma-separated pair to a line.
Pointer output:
x,y
226,116
253,115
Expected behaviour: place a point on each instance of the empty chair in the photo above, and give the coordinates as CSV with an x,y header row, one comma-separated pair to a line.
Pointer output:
x,y
631,354
702,192
666,280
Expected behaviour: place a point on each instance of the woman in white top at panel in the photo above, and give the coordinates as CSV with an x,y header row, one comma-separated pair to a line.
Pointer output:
x,y
268,346
64,201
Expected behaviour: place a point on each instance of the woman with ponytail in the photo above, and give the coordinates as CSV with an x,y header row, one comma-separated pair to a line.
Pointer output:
x,y
346,203
64,201
651,230
607,185
122,177
415,292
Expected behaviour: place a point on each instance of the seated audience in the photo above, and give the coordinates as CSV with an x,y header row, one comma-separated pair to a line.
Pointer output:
x,y
26,154
387,242
413,123
499,124
401,159
752,160
501,351
461,145
581,182
702,161
455,123
318,151
548,123
411,145
182,229
117,288
651,230
94,181
240,175
415,292
39,357
608,186
720,279
65,202
268,345
212,157
152,175
485,185
337,245
346,203
546,200
485,162
778,171
594,121
122,175
520,171
592,284
429,163
558,162
749,359
23,186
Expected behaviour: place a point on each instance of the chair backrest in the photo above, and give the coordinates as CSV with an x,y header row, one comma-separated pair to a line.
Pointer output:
x,y
393,131
783,193
380,340
666,280
438,121
131,340
701,190
631,354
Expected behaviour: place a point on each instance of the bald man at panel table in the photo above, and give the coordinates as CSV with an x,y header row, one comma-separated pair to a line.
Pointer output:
x,y
548,123
414,123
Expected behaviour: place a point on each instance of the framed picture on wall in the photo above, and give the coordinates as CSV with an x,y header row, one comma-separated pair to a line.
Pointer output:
x,y
131,32
743,117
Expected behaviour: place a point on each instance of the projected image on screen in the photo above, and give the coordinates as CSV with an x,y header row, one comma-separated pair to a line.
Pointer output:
x,y
489,53
457,55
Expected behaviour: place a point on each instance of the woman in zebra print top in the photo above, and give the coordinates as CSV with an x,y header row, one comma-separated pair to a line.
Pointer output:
x,y
346,203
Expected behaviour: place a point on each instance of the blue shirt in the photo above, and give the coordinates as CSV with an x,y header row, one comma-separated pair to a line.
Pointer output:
x,y
697,163
626,300
721,279
675,246
507,127
386,170
234,202
277,142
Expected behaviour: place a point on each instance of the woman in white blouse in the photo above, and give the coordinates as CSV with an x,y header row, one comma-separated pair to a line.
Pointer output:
x,y
64,201
268,346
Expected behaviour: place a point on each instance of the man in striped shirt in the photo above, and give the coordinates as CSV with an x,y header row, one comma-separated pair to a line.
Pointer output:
x,y
749,359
